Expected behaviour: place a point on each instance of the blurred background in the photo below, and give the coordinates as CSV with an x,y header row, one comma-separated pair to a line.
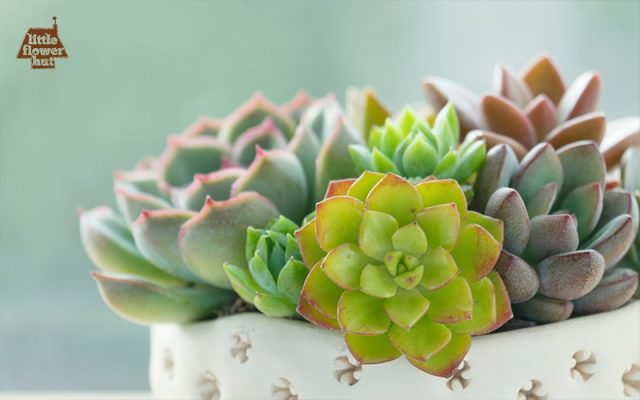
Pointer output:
x,y
138,71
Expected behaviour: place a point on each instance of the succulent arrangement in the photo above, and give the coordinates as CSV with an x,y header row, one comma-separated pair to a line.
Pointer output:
x,y
408,233
536,106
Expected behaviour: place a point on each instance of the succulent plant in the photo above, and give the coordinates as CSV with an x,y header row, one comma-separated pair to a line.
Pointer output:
x,y
536,107
365,110
402,270
563,232
273,279
186,213
409,147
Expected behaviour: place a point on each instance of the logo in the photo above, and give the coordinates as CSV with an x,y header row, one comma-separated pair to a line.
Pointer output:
x,y
42,46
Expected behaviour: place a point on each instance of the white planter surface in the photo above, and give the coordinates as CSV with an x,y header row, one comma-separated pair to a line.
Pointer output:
x,y
250,356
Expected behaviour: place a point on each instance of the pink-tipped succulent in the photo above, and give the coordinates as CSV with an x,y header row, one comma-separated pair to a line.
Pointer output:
x,y
535,107
563,232
402,270
186,213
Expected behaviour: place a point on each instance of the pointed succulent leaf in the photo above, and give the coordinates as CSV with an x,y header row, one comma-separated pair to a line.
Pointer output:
x,y
441,224
277,175
439,268
321,293
552,234
274,306
520,279
363,185
242,282
361,157
543,77
492,140
586,127
382,163
313,315
451,303
617,202
614,239
376,231
445,361
440,91
483,314
543,200
186,157
581,97
419,159
446,169
339,187
225,224
507,205
143,302
614,290
621,134
139,181
582,163
262,275
396,197
305,145
476,252
309,248
471,159
344,264
543,309
543,115
365,110
444,191
505,117
503,305
216,185
406,308
506,84
110,246
362,314
204,126
297,105
500,165
265,135
570,275
494,226
338,221
132,204
410,239
424,339
446,129
540,167
375,281
369,349
585,202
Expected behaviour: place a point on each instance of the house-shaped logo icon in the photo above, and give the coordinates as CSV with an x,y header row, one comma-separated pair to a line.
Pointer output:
x,y
42,46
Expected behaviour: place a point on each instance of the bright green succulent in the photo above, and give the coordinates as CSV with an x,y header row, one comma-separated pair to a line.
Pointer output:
x,y
402,270
186,213
563,232
409,147
275,273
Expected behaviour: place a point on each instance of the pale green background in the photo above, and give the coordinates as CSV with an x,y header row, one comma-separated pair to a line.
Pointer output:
x,y
139,70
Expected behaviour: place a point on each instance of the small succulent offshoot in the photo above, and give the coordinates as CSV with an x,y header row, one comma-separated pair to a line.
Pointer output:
x,y
402,270
536,107
564,234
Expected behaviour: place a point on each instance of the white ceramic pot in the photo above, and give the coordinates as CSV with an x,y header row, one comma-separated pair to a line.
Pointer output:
x,y
250,356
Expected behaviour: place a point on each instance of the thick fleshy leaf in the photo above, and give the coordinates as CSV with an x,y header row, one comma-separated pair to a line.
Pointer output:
x,y
274,306
543,77
217,234
344,264
411,278
476,252
520,279
375,281
543,309
363,185
305,145
277,175
321,293
445,361
376,231
339,188
582,163
506,84
507,205
242,282
291,279
504,117
131,204
156,236
483,316
448,166
552,234
338,221
185,157
371,349
614,239
581,97
410,239
422,341
141,181
471,159
616,288
265,135
494,226
262,275
540,167
444,191
406,308
621,134
204,126
586,127
309,249
543,115
450,303
503,305
492,139
439,268
570,275
541,202
311,314
419,158
440,91
216,185
297,105
361,314
110,246
145,303
617,202
630,169
396,197
499,166
365,110
441,224
585,202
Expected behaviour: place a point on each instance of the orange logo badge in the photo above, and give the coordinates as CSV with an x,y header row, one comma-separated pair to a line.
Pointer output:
x,y
42,46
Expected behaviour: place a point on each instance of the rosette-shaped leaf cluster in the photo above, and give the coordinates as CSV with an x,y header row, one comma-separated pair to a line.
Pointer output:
x,y
630,170
534,107
275,273
402,270
563,232
186,213
409,147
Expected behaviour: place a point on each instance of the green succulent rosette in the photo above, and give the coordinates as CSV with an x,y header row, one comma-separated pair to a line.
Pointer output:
x,y
182,215
409,147
564,232
275,273
402,270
